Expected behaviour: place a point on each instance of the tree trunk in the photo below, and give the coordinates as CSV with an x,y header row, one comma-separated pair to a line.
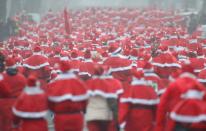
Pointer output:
x,y
202,14
3,10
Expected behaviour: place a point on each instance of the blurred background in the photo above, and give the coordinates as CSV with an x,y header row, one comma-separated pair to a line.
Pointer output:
x,y
11,7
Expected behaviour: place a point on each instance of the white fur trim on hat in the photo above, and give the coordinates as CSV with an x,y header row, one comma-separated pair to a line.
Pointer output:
x,y
24,114
64,58
167,65
117,50
187,118
193,94
120,69
192,41
84,73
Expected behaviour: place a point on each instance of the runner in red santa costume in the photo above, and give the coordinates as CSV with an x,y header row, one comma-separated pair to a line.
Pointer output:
x,y
104,92
190,113
6,103
86,69
12,74
14,83
37,65
31,108
137,105
171,97
67,96
119,65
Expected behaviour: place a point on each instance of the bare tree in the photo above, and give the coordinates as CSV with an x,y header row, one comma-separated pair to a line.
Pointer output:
x,y
3,10
203,13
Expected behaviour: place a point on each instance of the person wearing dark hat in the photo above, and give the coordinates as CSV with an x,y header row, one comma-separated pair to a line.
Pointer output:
x,y
15,82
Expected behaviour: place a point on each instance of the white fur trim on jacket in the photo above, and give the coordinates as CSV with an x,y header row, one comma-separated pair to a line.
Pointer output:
x,y
140,101
167,65
202,80
141,82
187,118
69,97
24,114
65,76
193,41
120,69
104,94
122,125
198,70
161,91
84,73
193,94
33,90
37,66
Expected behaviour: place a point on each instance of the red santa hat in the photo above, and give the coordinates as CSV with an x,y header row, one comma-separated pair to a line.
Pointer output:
x,y
202,76
10,62
32,81
74,54
166,60
57,50
134,52
64,66
37,49
98,70
87,54
114,48
137,74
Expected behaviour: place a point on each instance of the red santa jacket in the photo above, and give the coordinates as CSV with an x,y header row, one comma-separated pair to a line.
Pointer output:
x,y
67,97
16,82
138,103
30,110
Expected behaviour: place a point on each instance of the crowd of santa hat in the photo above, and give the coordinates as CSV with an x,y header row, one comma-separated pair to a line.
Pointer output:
x,y
153,44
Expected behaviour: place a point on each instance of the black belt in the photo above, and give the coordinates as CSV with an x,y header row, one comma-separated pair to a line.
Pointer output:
x,y
144,107
8,97
33,119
